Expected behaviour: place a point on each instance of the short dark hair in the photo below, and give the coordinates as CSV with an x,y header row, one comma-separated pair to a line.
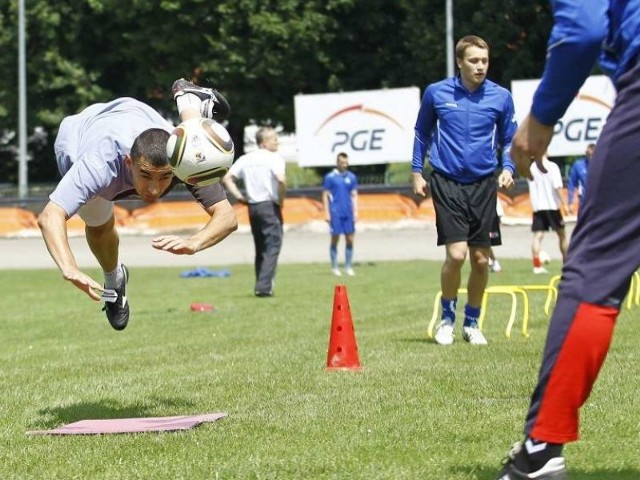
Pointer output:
x,y
152,146
469,41
341,155
263,133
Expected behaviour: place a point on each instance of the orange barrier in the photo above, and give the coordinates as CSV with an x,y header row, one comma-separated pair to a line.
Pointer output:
x,y
426,211
296,211
520,206
242,212
122,217
302,210
12,220
385,207
169,215
175,215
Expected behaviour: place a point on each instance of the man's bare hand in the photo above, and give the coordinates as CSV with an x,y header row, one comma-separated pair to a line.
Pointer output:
x,y
505,180
84,282
174,244
530,144
419,184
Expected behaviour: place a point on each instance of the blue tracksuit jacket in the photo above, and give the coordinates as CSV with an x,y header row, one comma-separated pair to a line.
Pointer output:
x,y
462,130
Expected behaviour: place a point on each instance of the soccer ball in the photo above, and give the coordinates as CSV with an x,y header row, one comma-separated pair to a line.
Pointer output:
x,y
200,151
544,257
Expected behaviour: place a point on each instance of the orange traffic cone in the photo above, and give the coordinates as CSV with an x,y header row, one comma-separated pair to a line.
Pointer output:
x,y
343,351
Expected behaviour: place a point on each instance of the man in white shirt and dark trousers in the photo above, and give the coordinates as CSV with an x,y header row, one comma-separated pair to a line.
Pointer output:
x,y
546,201
263,174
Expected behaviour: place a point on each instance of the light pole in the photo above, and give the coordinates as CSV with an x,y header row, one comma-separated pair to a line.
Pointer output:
x,y
449,40
23,189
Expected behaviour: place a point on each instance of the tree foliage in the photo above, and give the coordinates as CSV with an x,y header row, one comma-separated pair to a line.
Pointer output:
x,y
259,53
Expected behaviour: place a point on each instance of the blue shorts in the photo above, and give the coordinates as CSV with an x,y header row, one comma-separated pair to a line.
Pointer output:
x,y
342,225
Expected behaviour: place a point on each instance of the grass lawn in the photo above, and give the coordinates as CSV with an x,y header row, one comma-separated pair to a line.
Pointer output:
x,y
415,411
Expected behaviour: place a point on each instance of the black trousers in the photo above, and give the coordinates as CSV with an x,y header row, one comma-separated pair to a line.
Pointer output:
x,y
266,228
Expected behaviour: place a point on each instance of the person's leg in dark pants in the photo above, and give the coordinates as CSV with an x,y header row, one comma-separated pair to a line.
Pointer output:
x,y
271,234
258,240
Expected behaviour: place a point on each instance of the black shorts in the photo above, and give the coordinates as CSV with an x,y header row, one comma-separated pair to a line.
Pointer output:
x,y
545,220
465,212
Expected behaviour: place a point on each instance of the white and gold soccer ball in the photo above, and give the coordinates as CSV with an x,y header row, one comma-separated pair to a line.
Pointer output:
x,y
200,151
544,257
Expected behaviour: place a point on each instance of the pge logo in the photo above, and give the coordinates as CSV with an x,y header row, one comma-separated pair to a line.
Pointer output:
x,y
361,139
584,127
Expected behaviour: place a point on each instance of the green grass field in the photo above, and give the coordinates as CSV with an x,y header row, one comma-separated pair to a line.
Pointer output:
x,y
415,411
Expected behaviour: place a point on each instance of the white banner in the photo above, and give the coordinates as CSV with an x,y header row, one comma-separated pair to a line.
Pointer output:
x,y
371,126
584,119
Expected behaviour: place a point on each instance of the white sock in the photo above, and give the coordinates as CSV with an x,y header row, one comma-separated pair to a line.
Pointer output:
x,y
187,100
114,279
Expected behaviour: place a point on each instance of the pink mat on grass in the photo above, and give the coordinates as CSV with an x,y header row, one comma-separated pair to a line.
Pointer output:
x,y
131,425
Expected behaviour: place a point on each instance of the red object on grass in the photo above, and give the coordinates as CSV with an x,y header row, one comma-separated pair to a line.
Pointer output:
x,y
201,307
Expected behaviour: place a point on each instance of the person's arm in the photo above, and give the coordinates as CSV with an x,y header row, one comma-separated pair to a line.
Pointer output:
x,y
229,181
282,189
506,130
564,206
53,225
423,130
354,200
325,203
281,178
574,44
223,223
571,187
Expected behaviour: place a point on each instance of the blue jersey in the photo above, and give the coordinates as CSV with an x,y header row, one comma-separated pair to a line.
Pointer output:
x,y
462,130
577,179
584,30
339,186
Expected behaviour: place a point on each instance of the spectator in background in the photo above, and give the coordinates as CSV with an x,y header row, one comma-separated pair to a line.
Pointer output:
x,y
461,122
340,200
496,238
263,173
545,194
578,178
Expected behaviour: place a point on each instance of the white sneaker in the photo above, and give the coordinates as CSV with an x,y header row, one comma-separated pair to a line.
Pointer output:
x,y
495,266
473,335
350,272
539,270
444,333
336,272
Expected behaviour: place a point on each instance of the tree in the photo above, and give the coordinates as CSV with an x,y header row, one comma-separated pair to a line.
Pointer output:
x,y
258,53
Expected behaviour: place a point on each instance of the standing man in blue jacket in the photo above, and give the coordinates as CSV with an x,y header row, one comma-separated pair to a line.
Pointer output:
x,y
603,252
461,123
578,178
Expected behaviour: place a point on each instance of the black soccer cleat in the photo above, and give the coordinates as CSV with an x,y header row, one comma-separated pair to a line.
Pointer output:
x,y
554,469
117,308
213,106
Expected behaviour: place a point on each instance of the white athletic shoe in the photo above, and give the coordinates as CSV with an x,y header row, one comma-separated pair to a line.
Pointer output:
x,y
473,335
539,270
336,272
554,469
444,333
350,272
495,266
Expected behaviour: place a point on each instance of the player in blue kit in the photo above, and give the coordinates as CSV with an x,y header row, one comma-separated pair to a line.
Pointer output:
x,y
340,200
578,178
603,252
116,150
461,122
